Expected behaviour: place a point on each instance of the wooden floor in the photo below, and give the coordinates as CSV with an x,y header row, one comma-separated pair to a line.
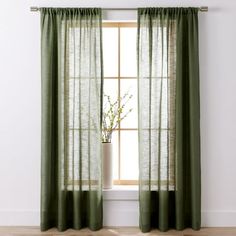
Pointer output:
x,y
34,231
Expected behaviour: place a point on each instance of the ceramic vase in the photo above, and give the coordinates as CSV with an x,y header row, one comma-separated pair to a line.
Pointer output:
x,y
107,165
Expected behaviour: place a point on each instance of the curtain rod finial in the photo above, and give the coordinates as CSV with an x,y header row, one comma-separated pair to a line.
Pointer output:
x,y
204,8
34,8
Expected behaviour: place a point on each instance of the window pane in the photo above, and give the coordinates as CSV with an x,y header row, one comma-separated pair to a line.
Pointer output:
x,y
129,155
110,52
110,88
130,85
128,63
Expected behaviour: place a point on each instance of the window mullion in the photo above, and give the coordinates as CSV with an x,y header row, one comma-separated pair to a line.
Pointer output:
x,y
119,146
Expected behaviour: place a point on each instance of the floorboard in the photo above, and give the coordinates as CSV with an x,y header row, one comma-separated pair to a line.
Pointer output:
x,y
35,231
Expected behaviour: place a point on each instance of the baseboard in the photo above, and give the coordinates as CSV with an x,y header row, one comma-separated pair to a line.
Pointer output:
x,y
115,217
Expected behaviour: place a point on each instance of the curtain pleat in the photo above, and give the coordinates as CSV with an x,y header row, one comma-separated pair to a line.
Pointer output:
x,y
169,118
72,79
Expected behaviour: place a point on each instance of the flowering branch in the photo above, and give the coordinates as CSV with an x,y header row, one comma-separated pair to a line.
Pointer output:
x,y
113,114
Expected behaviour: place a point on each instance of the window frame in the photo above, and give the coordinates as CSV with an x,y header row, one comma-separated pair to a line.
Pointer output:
x,y
119,25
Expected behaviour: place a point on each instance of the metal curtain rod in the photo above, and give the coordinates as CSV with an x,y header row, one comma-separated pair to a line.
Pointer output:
x,y
202,8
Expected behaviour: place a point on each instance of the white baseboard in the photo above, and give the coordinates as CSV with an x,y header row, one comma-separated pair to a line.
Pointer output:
x,y
115,216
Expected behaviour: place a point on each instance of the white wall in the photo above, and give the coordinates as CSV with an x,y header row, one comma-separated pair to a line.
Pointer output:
x,y
20,109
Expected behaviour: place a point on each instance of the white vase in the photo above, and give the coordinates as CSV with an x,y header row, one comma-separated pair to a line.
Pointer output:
x,y
107,165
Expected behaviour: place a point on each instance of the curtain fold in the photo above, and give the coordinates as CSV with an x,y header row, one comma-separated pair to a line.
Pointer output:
x,y
169,118
72,82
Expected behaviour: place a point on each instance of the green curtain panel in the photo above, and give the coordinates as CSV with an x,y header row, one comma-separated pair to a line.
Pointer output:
x,y
169,118
71,50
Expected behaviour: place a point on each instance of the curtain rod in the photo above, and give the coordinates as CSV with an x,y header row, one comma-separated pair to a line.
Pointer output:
x,y
202,8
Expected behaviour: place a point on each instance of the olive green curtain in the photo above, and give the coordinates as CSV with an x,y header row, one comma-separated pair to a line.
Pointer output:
x,y
71,51
169,118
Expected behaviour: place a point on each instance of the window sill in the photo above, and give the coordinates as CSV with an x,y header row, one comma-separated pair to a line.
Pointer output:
x,y
121,193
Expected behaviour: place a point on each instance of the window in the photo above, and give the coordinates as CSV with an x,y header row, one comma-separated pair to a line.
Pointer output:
x,y
120,76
